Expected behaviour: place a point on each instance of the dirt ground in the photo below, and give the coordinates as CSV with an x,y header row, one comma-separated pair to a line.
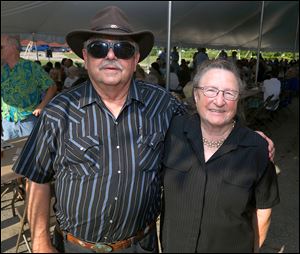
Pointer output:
x,y
283,235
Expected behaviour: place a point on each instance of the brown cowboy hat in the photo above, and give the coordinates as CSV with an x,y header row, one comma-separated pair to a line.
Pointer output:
x,y
110,21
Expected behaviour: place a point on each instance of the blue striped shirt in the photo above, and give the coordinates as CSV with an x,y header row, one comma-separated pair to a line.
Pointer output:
x,y
106,170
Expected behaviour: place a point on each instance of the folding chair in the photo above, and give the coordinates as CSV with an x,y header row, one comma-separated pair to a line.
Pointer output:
x,y
21,211
270,107
19,192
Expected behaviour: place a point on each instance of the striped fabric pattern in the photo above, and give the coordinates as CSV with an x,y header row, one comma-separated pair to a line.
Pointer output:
x,y
106,170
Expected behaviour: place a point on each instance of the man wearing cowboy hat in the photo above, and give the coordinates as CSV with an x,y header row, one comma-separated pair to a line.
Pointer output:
x,y
101,142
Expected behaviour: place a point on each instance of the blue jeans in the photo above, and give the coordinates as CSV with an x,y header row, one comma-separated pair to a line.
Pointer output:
x,y
18,129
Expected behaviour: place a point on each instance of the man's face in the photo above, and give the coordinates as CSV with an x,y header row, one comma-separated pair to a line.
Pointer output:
x,y
68,63
6,49
109,70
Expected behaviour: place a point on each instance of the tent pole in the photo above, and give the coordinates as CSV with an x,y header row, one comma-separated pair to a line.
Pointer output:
x,y
296,38
34,43
259,40
169,45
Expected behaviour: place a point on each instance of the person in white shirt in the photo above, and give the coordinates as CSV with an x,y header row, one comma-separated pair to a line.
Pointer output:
x,y
200,57
73,75
174,81
272,86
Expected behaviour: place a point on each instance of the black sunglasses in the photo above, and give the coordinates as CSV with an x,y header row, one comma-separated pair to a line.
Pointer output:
x,y
122,49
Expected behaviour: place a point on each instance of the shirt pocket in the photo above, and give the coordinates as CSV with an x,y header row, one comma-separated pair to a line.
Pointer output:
x,y
179,158
235,197
84,154
150,149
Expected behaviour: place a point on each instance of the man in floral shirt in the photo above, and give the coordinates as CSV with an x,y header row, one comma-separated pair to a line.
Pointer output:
x,y
22,84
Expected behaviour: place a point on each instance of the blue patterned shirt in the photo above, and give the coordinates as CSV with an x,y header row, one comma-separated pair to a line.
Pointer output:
x,y
22,88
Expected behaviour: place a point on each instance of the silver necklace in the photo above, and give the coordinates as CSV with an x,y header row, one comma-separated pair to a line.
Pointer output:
x,y
217,143
212,144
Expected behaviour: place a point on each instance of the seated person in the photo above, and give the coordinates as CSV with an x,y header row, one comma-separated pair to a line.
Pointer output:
x,y
189,97
184,73
188,90
155,71
174,81
83,76
140,74
272,86
72,76
55,75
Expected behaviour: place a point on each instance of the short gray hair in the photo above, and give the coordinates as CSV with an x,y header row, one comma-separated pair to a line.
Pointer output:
x,y
14,41
218,64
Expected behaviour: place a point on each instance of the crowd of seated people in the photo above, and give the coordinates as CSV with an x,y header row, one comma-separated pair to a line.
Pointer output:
x,y
66,75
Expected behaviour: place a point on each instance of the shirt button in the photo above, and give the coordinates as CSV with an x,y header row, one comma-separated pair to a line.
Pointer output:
x,y
110,221
81,148
118,147
116,198
119,171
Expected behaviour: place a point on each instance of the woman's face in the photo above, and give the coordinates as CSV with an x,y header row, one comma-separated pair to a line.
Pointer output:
x,y
217,111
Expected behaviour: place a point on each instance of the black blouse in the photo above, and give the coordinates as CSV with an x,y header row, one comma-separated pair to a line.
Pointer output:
x,y
209,205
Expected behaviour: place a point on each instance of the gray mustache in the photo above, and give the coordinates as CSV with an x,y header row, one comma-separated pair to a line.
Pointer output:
x,y
106,64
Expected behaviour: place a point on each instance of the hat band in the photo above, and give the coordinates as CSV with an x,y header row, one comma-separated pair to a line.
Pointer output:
x,y
114,27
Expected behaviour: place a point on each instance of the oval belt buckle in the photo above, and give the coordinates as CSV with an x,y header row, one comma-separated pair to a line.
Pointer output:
x,y
102,248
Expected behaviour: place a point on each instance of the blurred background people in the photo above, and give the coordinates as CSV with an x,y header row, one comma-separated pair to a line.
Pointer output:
x,y
73,75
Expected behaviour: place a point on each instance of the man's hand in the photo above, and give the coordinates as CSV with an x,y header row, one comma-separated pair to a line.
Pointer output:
x,y
271,146
49,95
37,111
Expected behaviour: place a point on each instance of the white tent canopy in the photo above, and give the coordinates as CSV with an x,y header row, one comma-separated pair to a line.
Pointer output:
x,y
212,24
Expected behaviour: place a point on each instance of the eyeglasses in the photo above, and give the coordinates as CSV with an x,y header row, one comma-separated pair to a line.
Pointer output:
x,y
122,49
212,92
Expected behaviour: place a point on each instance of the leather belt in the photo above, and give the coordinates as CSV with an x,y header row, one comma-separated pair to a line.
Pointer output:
x,y
108,247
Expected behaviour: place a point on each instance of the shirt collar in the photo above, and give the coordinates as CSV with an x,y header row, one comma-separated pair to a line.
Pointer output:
x,y
6,66
238,137
89,94
135,93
